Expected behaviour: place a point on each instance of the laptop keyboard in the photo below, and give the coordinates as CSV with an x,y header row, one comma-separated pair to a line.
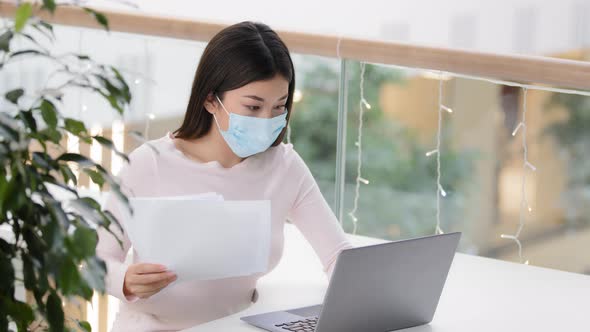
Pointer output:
x,y
304,325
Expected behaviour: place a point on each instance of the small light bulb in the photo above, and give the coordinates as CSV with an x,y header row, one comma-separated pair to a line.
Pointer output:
x,y
365,181
442,191
84,108
297,96
430,153
367,105
517,129
446,108
353,217
531,166
137,81
151,116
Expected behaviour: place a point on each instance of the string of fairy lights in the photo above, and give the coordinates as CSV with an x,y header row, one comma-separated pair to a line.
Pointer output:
x,y
363,104
443,110
440,191
526,167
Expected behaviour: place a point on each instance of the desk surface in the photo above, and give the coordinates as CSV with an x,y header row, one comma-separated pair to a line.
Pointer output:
x,y
481,294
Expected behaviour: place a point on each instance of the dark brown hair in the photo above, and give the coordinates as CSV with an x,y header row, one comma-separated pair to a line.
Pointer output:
x,y
239,54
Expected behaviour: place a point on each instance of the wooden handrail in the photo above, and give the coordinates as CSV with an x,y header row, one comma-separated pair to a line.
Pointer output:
x,y
516,68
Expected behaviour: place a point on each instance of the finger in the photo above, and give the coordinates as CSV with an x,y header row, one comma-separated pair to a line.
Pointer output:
x,y
139,288
143,268
148,294
155,291
145,295
145,279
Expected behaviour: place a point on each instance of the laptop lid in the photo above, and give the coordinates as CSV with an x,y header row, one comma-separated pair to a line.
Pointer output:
x,y
388,286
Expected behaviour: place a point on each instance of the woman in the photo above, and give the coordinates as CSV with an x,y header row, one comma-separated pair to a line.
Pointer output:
x,y
229,143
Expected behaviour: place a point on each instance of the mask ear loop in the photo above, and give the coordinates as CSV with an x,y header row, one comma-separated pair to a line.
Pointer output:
x,y
215,118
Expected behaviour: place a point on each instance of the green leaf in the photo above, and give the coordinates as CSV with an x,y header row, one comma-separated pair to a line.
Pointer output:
x,y
95,176
91,202
109,144
57,212
49,113
49,5
109,219
27,52
35,245
116,96
34,41
52,235
5,247
29,272
99,17
14,95
69,277
7,132
4,189
74,126
85,240
77,158
85,207
55,313
94,272
52,134
85,326
7,273
23,13
125,91
22,314
112,99
28,119
43,161
7,191
45,28
5,39
68,174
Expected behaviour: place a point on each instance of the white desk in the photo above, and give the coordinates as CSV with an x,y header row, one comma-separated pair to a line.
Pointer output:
x,y
480,294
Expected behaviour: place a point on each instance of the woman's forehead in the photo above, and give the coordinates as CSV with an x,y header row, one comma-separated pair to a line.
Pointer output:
x,y
267,90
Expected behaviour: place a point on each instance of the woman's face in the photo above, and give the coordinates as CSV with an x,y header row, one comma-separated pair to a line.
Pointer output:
x,y
264,99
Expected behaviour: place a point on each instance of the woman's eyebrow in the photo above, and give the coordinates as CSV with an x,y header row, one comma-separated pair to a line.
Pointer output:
x,y
262,99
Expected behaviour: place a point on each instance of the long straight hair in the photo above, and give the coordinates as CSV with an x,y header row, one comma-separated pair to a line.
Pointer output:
x,y
239,54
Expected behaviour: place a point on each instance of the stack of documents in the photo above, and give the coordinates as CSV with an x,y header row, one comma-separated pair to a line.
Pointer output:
x,y
201,237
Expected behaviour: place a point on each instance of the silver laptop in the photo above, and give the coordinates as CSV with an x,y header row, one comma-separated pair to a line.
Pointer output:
x,y
377,288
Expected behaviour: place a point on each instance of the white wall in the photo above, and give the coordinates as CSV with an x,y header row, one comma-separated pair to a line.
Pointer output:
x,y
500,26
490,25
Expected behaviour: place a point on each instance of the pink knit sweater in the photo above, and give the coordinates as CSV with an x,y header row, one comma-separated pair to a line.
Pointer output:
x,y
278,174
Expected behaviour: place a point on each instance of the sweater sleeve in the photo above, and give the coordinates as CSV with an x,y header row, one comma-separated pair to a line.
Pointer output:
x,y
314,218
136,179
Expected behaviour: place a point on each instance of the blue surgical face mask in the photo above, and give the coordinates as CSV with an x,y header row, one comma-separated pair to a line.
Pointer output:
x,y
248,135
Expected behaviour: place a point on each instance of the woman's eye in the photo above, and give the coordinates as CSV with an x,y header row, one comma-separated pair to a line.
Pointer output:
x,y
256,108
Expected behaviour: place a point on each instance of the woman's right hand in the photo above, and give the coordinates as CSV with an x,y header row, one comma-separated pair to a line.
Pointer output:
x,y
144,280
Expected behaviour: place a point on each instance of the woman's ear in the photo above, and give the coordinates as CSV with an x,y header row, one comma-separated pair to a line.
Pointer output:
x,y
211,104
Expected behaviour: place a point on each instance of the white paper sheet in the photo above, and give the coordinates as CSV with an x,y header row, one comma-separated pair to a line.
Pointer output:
x,y
201,237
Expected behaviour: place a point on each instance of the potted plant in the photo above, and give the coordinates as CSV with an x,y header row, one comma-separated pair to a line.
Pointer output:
x,y
51,250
